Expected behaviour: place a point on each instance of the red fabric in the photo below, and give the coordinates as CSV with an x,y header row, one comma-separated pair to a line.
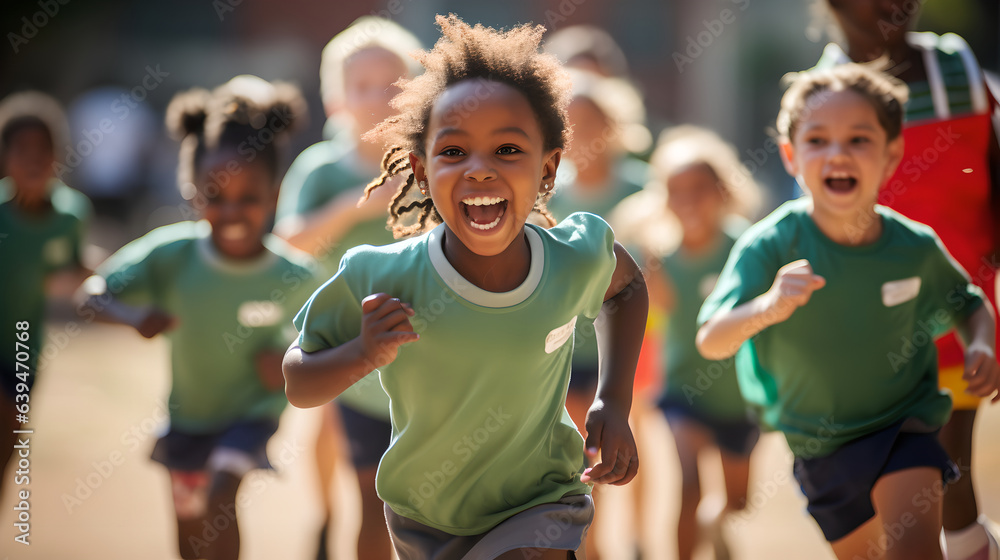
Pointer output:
x,y
944,182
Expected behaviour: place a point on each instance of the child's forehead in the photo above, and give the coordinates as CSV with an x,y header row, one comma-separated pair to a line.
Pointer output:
x,y
844,107
465,103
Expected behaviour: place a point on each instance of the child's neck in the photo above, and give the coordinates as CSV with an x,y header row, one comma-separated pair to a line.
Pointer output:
x,y
497,273
699,245
862,229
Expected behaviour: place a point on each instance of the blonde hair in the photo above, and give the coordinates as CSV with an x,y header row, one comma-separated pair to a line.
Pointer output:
x,y
620,102
364,33
643,218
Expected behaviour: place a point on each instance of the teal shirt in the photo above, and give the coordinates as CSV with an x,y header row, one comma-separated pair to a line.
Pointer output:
x,y
480,430
228,311
630,175
31,248
707,385
320,173
860,356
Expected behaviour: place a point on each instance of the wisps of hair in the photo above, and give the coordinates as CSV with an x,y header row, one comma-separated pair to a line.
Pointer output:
x,y
245,113
462,53
807,90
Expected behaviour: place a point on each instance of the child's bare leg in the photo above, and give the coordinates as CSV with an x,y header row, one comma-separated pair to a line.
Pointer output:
x,y
912,525
327,449
960,509
373,541
190,496
736,470
222,516
690,440
536,554
861,542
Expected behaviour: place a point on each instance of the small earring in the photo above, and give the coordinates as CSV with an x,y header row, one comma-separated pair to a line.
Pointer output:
x,y
546,187
422,185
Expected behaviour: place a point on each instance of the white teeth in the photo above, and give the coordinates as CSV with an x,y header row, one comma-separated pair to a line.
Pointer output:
x,y
483,200
490,225
234,232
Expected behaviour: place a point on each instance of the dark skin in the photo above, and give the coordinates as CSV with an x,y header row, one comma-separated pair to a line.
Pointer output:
x,y
872,30
497,151
239,214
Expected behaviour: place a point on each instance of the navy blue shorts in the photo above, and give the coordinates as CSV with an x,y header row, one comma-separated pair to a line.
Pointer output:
x,y
734,436
184,451
838,486
583,379
367,436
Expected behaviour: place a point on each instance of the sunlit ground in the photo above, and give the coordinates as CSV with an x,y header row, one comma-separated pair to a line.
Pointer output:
x,y
94,494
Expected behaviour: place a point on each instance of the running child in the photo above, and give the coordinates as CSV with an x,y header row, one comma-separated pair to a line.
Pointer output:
x,y
830,305
949,179
318,212
700,399
221,289
42,226
471,323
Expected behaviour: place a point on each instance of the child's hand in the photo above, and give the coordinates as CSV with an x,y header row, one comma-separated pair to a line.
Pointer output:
x,y
792,288
982,372
608,431
385,326
155,321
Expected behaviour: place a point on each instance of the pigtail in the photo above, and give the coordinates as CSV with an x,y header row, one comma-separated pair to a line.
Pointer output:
x,y
187,113
406,200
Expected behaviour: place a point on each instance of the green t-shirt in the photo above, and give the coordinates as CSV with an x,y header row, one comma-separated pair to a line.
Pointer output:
x,y
227,311
320,173
704,384
30,249
480,430
860,356
630,175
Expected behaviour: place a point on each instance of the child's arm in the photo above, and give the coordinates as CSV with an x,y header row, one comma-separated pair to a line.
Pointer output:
x,y
318,231
315,378
148,321
721,336
982,371
620,327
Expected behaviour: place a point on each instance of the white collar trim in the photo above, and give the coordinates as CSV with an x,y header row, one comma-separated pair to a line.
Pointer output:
x,y
475,294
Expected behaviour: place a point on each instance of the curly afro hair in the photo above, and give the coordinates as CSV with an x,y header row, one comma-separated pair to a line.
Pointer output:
x,y
462,53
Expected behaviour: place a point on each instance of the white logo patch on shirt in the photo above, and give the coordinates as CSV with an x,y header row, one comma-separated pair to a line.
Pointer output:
x,y
57,252
559,336
255,314
896,292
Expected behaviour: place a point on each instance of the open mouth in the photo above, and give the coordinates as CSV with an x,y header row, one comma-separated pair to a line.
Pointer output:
x,y
484,212
840,182
233,232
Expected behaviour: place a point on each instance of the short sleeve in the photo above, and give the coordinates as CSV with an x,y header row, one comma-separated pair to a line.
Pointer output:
x,y
331,316
130,274
293,187
949,291
748,273
594,240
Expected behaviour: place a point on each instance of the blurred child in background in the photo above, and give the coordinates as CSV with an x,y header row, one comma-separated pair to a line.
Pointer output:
x,y
42,227
318,212
949,179
709,196
223,290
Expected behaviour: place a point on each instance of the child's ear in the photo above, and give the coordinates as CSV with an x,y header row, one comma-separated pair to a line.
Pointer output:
x,y
787,152
549,169
417,166
894,151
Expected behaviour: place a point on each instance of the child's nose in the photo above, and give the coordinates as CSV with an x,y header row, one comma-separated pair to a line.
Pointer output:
x,y
479,170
